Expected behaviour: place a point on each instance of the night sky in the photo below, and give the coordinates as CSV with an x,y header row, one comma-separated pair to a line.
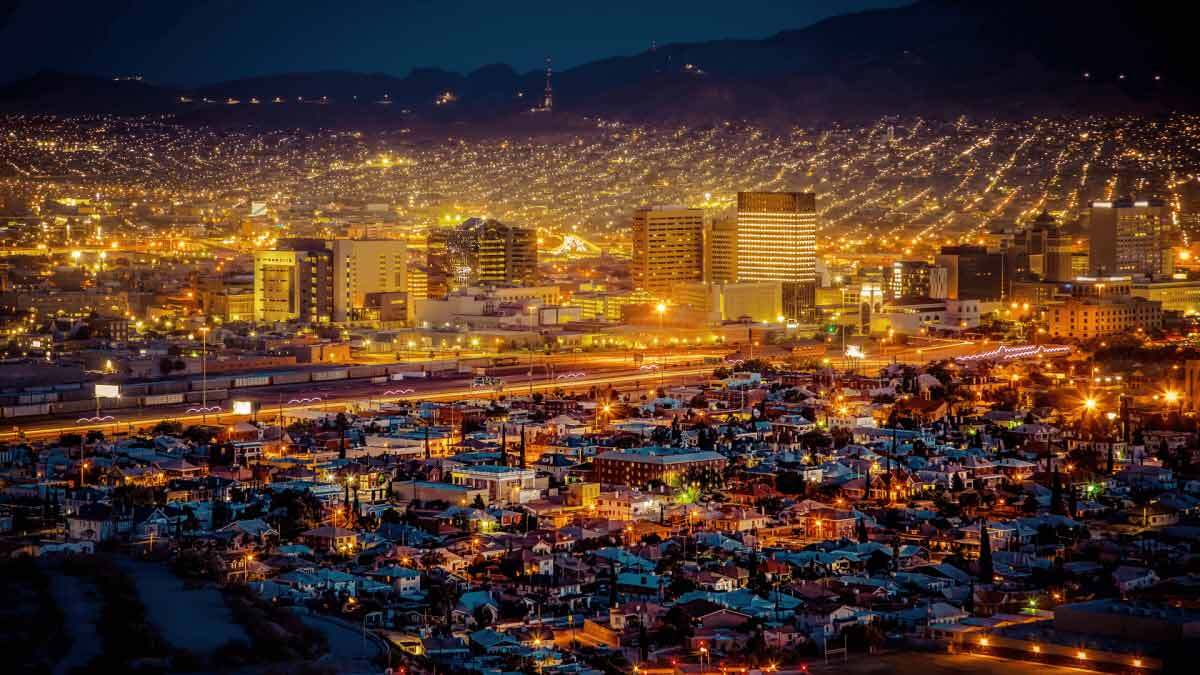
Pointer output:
x,y
192,42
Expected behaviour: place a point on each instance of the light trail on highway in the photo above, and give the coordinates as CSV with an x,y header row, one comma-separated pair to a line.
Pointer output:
x,y
340,405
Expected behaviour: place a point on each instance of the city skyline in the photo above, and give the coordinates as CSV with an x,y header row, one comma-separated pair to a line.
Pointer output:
x,y
867,346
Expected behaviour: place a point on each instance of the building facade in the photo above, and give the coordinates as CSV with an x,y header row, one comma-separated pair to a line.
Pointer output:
x,y
365,266
972,273
1131,237
908,279
1091,317
668,247
777,241
721,251
507,255
639,467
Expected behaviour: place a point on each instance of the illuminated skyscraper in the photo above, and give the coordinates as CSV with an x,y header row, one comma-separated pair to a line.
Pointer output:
x,y
777,241
483,251
1131,237
668,247
721,251
506,256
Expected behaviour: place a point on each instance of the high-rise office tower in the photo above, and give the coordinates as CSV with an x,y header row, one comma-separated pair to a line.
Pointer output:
x,y
907,279
506,255
482,251
777,241
972,273
276,290
721,251
294,282
437,261
362,266
668,247
1131,237
1189,212
1049,249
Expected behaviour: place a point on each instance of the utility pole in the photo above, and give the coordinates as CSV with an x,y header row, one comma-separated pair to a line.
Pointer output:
x,y
204,374
523,465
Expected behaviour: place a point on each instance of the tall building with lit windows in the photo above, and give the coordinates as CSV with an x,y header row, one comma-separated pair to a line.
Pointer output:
x,y
506,255
777,241
1131,237
363,266
276,293
907,279
720,248
483,251
294,282
668,248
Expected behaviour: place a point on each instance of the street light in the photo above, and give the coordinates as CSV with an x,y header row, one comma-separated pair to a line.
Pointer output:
x,y
204,374
660,309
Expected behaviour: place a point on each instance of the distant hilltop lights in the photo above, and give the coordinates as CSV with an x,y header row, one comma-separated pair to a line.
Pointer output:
x,y
1157,77
1003,353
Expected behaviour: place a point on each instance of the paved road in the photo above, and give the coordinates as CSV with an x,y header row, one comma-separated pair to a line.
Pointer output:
x,y
922,663
80,604
348,651
340,398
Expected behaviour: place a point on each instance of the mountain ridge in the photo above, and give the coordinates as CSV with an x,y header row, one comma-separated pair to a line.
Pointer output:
x,y
930,57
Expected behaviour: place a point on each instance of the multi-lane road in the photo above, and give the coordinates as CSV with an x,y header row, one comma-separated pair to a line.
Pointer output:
x,y
571,373
272,402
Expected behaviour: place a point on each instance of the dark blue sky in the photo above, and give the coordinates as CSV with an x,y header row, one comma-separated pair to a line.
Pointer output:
x,y
195,42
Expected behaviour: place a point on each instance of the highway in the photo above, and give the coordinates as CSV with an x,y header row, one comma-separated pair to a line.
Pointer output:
x,y
340,396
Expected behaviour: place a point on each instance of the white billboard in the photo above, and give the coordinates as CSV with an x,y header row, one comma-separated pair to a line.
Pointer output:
x,y
243,407
108,391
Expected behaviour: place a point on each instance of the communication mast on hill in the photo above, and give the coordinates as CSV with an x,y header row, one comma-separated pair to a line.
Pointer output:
x,y
548,97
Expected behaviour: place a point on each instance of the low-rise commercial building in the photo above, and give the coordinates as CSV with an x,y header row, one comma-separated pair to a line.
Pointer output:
x,y
640,467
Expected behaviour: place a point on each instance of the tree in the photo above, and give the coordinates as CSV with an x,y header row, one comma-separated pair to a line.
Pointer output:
x,y
478,503
167,428
342,424
841,437
221,514
483,617
1057,506
302,511
956,483
680,585
986,570
676,627
432,558
860,528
